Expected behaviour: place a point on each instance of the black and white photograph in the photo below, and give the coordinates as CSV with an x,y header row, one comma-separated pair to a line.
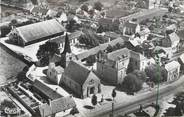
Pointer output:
x,y
92,58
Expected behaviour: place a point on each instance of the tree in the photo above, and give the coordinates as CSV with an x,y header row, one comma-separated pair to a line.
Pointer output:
x,y
5,30
113,93
131,67
98,6
140,75
91,59
131,83
35,2
70,25
47,50
84,7
90,39
155,75
13,22
109,48
67,48
94,100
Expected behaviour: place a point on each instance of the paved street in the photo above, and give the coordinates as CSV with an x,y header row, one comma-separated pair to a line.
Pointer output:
x,y
144,98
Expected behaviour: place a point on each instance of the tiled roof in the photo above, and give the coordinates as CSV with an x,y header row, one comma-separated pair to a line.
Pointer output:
x,y
180,33
117,12
77,72
101,47
39,9
57,105
40,30
52,94
174,37
118,54
132,25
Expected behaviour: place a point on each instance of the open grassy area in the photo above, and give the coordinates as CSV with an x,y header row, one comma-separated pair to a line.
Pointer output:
x,y
9,66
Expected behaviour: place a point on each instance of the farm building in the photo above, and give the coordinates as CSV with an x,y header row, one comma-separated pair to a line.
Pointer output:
x,y
29,34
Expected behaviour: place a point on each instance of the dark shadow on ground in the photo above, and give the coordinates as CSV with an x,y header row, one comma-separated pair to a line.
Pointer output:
x,y
88,107
108,99
45,80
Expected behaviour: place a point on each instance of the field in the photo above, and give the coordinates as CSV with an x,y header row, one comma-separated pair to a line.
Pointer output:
x,y
9,66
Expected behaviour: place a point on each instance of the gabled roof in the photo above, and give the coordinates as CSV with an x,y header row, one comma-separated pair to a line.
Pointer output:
x,y
40,30
77,72
47,91
71,36
172,65
112,35
117,12
130,24
39,9
144,32
57,105
118,54
182,58
101,47
174,37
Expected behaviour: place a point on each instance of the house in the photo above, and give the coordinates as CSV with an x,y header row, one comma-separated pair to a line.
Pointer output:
x,y
117,12
163,52
112,67
171,40
33,33
172,27
139,61
130,28
148,4
101,47
110,24
54,73
55,106
82,81
38,10
181,61
73,37
180,33
173,70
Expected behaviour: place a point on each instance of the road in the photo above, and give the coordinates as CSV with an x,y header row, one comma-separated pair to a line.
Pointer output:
x,y
121,108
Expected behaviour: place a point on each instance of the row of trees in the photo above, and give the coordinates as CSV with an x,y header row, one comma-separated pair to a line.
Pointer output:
x,y
134,80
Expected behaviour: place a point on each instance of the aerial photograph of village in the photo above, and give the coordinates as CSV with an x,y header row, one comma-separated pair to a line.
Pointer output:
x,y
92,58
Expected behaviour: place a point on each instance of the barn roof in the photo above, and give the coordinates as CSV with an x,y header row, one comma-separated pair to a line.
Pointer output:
x,y
46,90
40,30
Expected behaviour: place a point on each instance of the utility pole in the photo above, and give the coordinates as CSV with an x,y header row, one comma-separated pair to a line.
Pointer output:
x,y
158,75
